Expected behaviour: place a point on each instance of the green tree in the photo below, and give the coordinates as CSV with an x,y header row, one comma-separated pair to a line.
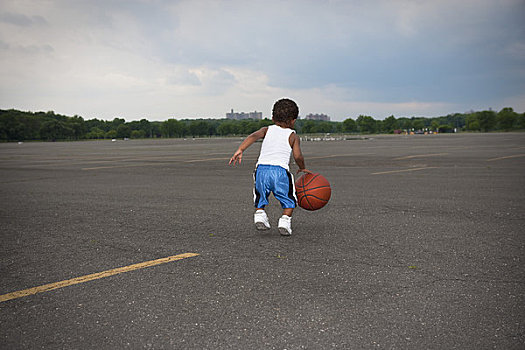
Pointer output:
x,y
96,123
472,122
111,134
390,124
199,128
95,133
418,124
172,128
55,130
487,120
3,130
17,131
138,134
264,122
521,121
228,127
323,127
145,126
338,127
308,127
78,125
507,119
404,123
247,126
446,128
116,122
123,131
366,124
156,129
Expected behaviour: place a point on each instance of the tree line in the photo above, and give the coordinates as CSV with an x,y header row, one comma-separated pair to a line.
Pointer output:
x,y
17,125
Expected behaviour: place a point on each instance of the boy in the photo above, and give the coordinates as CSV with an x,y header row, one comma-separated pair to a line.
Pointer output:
x,y
272,168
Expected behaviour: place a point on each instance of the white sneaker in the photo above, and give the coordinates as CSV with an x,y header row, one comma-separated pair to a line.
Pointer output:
x,y
261,220
285,225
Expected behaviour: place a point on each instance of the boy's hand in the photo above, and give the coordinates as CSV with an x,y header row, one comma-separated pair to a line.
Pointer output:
x,y
306,171
254,136
237,157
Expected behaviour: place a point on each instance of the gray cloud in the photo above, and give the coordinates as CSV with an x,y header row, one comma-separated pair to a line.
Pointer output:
x,y
183,77
30,49
3,45
21,19
394,50
442,54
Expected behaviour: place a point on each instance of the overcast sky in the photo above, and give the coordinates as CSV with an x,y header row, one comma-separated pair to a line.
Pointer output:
x,y
200,58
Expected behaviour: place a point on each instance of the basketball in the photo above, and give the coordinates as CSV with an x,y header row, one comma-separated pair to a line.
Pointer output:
x,y
313,191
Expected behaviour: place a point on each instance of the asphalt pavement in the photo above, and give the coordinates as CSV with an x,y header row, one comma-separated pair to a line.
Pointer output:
x,y
420,247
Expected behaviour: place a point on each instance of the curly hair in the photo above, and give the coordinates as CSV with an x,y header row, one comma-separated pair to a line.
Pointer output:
x,y
285,110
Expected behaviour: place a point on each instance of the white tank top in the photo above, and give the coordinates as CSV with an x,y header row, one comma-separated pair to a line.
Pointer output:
x,y
275,149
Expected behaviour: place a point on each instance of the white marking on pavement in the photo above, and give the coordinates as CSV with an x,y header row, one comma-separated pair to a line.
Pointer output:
x,y
402,171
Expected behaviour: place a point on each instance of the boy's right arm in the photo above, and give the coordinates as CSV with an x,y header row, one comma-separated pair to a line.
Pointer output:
x,y
259,134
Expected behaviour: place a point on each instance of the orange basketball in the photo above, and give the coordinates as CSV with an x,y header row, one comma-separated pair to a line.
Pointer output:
x,y
313,191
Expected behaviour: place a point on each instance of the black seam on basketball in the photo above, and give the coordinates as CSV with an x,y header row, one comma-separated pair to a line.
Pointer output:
x,y
307,201
299,188
304,201
311,195
315,188
301,201
312,179
303,193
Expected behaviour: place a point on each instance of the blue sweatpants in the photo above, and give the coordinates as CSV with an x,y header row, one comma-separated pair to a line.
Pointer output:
x,y
273,179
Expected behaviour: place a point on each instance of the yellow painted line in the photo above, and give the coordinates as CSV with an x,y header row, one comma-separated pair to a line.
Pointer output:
x,y
421,156
506,157
403,171
94,276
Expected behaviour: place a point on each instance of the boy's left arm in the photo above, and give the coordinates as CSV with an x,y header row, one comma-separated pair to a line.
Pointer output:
x,y
297,153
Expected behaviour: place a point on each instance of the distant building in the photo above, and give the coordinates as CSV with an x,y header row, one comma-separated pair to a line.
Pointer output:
x,y
317,117
242,115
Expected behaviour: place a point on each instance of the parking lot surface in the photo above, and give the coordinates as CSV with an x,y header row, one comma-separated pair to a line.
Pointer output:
x,y
420,247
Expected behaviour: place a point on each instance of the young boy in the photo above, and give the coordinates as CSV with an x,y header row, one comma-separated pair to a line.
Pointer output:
x,y
272,169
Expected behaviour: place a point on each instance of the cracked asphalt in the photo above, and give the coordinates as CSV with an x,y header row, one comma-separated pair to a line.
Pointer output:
x,y
420,247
